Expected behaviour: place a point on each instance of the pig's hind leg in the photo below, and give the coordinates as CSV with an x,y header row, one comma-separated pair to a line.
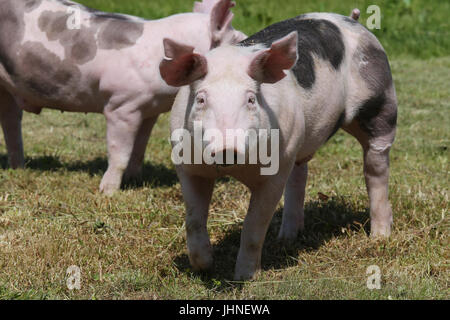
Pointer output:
x,y
11,121
294,197
375,127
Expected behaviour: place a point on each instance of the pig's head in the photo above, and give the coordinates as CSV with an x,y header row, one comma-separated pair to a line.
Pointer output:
x,y
224,85
221,30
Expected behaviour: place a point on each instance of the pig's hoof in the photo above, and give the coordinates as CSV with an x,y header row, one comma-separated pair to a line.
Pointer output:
x,y
108,189
380,231
289,234
17,164
201,262
245,275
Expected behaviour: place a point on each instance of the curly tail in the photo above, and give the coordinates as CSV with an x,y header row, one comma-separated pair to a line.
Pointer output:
x,y
355,14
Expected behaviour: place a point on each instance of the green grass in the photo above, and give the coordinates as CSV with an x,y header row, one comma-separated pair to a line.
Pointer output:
x,y
133,246
418,28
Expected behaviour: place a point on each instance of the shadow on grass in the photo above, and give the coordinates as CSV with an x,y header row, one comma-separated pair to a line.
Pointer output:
x,y
323,221
155,175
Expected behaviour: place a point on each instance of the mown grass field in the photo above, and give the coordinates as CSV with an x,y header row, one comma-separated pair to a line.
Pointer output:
x,y
132,246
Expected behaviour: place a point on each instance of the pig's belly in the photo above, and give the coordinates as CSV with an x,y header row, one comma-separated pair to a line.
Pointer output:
x,y
37,108
316,136
249,175
77,102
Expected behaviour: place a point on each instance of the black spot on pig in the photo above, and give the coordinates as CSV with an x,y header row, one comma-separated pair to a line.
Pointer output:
x,y
30,5
377,115
374,66
317,37
44,73
54,24
12,29
118,34
79,44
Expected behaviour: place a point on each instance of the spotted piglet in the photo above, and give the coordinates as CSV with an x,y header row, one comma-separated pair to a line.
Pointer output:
x,y
307,77
62,55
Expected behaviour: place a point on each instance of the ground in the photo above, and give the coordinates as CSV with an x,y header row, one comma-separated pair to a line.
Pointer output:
x,y
132,246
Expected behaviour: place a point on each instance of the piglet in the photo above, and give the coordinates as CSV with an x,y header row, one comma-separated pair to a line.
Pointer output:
x,y
63,55
299,81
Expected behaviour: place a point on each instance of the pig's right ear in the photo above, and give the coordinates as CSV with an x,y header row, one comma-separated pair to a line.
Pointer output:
x,y
181,66
267,66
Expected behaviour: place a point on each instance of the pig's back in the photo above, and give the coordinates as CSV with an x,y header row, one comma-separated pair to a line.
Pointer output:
x,y
330,37
319,37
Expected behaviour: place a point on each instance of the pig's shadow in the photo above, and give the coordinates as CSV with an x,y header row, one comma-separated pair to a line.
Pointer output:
x,y
323,221
155,175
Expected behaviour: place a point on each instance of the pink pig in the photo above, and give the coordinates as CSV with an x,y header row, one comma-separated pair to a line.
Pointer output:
x,y
65,56
305,77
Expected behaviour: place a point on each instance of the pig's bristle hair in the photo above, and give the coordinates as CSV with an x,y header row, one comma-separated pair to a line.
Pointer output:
x,y
355,14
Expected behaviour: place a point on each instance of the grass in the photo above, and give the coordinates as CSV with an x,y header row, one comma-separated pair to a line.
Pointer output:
x,y
133,245
408,27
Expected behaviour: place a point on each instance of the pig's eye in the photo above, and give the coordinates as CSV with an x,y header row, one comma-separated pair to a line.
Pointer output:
x,y
200,99
252,100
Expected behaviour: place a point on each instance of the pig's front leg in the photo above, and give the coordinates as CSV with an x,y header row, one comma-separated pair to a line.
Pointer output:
x,y
134,169
262,207
197,193
294,198
122,125
11,121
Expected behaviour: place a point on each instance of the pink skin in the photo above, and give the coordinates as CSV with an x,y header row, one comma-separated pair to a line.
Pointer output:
x,y
248,87
125,85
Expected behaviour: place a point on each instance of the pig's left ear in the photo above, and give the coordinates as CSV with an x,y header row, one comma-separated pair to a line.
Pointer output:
x,y
267,66
181,66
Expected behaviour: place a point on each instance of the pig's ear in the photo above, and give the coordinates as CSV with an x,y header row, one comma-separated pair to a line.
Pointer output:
x,y
221,18
221,15
204,6
268,65
181,66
